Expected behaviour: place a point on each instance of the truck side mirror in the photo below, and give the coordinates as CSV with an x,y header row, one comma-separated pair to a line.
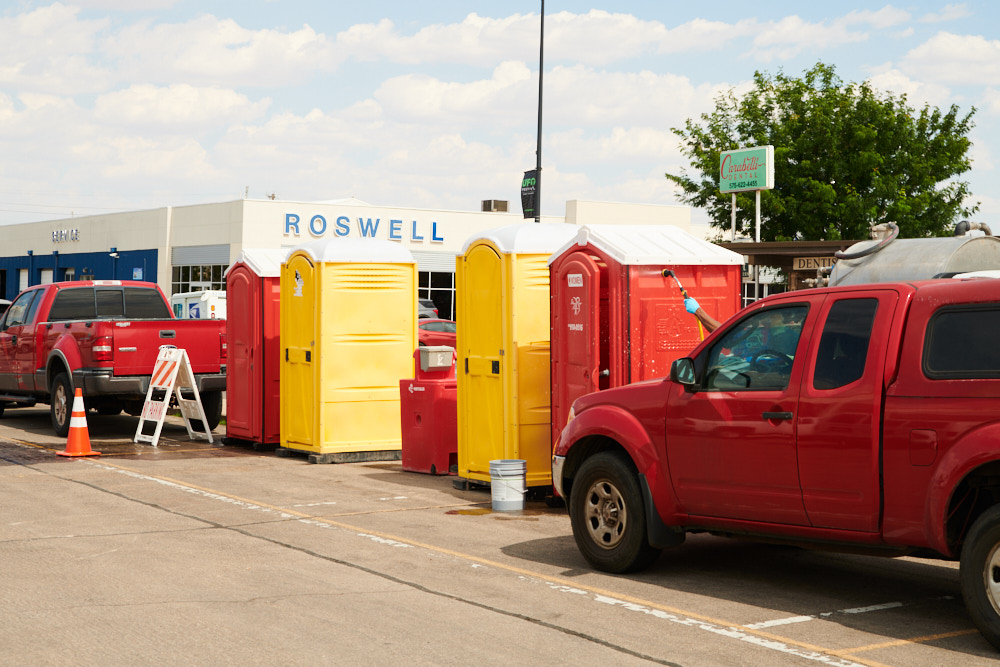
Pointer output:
x,y
682,372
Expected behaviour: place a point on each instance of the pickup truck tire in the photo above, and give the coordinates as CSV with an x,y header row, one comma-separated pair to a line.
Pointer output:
x,y
61,404
211,402
980,574
608,515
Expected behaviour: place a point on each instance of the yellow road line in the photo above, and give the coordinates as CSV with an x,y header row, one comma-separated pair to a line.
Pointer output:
x,y
915,640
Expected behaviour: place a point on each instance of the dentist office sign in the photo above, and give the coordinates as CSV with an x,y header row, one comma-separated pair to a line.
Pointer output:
x,y
747,169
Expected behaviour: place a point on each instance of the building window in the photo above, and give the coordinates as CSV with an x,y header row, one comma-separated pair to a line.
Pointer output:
x,y
439,287
197,277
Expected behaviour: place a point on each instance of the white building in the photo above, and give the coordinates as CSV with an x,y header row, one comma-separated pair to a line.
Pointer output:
x,y
187,248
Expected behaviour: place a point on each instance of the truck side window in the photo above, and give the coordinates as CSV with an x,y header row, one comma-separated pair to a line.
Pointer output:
x,y
843,347
76,303
961,343
757,353
144,303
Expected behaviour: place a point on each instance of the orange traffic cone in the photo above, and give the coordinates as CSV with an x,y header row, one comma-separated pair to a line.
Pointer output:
x,y
78,443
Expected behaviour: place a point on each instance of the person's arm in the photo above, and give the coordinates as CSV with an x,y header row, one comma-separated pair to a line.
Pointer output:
x,y
707,321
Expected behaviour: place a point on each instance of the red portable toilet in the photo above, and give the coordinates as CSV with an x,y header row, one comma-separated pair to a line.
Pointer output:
x,y
615,317
253,328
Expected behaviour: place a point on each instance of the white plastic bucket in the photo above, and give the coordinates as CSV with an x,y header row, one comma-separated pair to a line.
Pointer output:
x,y
507,484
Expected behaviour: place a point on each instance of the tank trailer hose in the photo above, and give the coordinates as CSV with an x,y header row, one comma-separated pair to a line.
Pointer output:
x,y
840,254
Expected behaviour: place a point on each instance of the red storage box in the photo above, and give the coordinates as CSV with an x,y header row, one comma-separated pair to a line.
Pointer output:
x,y
429,413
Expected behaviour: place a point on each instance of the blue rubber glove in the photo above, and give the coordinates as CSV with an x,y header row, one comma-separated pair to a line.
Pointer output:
x,y
691,305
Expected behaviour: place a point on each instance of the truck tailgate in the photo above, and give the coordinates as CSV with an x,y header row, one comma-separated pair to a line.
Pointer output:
x,y
136,343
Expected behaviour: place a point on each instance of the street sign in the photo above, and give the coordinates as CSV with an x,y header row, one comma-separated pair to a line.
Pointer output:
x,y
529,193
747,169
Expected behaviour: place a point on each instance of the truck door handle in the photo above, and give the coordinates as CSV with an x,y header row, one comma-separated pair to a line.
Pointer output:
x,y
776,415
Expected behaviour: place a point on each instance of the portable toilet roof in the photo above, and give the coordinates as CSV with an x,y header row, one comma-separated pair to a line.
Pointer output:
x,y
637,245
264,262
355,250
525,237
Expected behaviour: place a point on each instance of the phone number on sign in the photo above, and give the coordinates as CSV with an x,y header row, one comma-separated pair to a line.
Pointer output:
x,y
742,185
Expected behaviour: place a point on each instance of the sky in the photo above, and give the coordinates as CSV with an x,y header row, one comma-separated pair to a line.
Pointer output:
x,y
107,108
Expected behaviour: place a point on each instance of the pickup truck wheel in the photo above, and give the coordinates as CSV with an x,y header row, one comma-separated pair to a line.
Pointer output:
x,y
980,574
211,402
608,515
60,404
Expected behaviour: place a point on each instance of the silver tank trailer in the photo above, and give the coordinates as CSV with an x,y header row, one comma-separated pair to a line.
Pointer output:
x,y
917,259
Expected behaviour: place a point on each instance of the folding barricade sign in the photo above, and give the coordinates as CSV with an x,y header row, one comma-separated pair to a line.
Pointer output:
x,y
172,374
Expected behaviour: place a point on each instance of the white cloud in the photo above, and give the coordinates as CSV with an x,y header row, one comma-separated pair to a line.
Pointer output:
x,y
574,96
918,93
886,17
422,98
990,103
207,50
947,13
51,49
953,59
177,106
785,39
621,146
595,38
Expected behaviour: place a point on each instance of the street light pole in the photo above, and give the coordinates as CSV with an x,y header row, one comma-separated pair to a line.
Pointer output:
x,y
538,146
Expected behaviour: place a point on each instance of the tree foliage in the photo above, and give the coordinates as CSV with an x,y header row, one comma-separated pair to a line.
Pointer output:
x,y
846,159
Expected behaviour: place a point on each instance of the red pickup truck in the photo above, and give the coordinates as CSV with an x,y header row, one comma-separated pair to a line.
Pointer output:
x,y
865,417
102,336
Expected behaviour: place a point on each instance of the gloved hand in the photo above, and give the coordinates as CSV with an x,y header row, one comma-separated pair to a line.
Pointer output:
x,y
691,305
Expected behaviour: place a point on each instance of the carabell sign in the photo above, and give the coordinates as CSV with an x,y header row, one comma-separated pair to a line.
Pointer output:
x,y
747,169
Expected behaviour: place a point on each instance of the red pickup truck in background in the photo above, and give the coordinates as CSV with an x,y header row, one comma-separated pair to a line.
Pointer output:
x,y
102,336
863,417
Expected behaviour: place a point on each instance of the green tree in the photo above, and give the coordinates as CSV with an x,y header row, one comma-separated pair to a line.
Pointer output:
x,y
845,158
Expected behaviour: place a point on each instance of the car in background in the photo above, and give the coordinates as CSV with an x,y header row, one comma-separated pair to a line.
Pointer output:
x,y
426,308
436,332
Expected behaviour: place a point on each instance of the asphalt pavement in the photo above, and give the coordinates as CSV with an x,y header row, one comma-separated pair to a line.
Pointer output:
x,y
206,554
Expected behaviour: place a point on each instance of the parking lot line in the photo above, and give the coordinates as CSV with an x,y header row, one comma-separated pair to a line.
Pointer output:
x,y
716,626
914,640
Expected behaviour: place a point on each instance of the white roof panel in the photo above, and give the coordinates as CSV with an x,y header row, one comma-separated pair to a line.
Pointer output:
x,y
265,262
650,244
342,250
526,237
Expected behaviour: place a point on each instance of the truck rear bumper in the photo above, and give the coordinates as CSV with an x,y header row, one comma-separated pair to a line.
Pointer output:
x,y
102,383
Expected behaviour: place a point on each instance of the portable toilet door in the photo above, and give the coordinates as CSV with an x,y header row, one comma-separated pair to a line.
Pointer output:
x,y
502,295
253,332
579,330
480,337
298,342
349,329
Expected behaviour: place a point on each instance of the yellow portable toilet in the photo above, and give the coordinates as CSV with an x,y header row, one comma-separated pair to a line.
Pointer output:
x,y
502,299
348,331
